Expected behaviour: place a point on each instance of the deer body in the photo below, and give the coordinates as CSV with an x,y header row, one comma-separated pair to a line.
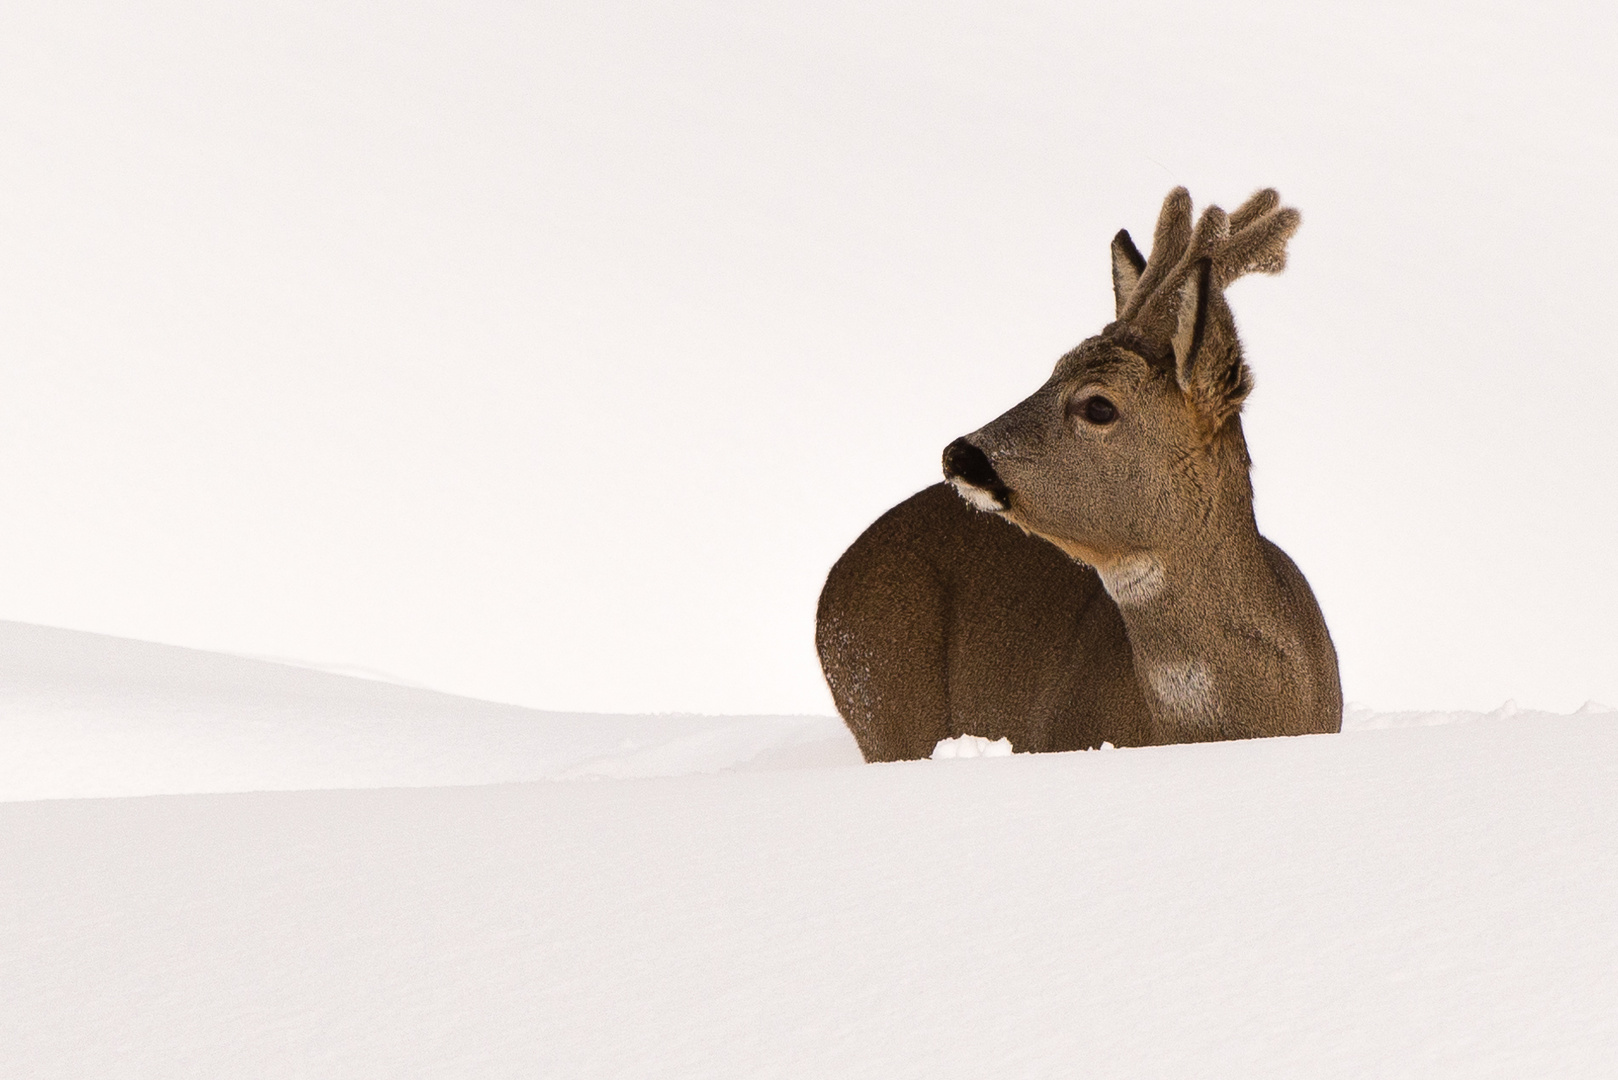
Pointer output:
x,y
942,620
1127,595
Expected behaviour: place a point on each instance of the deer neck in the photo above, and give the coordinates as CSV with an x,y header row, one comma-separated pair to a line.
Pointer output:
x,y
1203,627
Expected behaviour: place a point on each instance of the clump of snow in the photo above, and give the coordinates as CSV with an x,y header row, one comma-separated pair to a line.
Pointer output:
x,y
971,746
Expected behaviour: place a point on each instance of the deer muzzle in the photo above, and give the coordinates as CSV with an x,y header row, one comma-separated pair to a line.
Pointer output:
x,y
970,471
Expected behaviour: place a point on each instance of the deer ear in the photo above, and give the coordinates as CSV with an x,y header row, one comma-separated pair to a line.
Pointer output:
x,y
1127,265
1192,324
1208,362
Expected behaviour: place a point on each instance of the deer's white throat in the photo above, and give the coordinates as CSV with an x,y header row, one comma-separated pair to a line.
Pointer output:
x,y
1133,580
1186,689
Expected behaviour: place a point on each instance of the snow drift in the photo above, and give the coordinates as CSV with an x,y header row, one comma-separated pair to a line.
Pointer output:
x,y
86,715
1431,899
1425,902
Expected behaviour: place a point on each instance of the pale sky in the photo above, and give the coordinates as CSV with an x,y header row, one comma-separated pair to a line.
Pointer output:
x,y
553,356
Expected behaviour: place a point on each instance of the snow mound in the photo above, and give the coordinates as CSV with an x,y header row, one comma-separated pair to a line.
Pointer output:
x,y
85,715
1431,898
1434,901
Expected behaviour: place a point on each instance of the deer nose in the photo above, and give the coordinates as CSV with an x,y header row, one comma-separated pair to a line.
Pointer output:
x,y
968,468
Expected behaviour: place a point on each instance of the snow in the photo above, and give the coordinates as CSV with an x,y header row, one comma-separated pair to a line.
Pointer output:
x,y
971,746
88,716
85,715
1414,897
1358,717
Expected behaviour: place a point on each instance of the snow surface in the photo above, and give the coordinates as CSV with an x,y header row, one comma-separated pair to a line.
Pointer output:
x,y
1431,899
85,715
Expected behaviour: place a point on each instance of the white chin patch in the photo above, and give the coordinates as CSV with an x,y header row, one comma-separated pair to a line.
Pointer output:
x,y
1133,580
978,497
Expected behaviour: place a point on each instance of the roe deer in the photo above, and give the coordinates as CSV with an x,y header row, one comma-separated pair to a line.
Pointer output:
x,y
1107,581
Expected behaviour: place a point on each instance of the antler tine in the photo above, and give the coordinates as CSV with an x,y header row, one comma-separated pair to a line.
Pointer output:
x,y
1258,204
1154,306
1169,242
1252,240
1259,248
1133,276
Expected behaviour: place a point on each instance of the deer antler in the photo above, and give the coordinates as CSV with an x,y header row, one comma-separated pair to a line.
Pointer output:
x,y
1173,304
1259,231
1169,241
1251,240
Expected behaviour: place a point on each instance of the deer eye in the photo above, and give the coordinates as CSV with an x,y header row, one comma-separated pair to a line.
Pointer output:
x,y
1096,409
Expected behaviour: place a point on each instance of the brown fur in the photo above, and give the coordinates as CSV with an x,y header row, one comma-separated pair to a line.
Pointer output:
x,y
942,620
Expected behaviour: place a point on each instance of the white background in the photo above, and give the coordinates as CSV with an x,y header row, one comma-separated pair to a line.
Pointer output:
x,y
553,356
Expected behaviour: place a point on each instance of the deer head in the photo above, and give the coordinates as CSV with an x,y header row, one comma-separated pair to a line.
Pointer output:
x,y
1134,445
